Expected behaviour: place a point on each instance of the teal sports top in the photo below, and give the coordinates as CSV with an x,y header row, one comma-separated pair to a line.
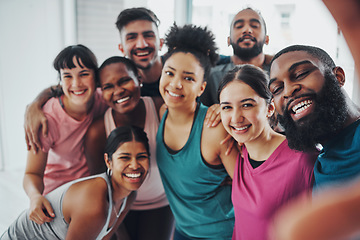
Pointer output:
x,y
201,205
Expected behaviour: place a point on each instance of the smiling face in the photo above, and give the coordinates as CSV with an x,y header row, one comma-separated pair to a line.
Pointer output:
x,y
181,80
141,43
308,97
247,34
244,113
78,84
296,79
129,165
121,88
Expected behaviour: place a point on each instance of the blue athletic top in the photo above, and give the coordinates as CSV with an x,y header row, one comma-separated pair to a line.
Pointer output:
x,y
201,206
339,160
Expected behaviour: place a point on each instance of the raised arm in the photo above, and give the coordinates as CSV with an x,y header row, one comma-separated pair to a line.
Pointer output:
x,y
40,208
95,140
35,119
347,15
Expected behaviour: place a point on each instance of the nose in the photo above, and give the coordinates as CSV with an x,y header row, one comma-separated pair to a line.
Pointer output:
x,y
290,90
141,42
76,82
247,29
118,90
134,164
237,116
176,83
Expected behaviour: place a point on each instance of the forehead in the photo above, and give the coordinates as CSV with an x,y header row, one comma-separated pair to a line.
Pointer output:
x,y
247,15
139,26
115,69
184,61
236,91
291,60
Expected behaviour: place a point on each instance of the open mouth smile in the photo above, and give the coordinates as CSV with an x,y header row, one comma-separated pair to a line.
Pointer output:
x,y
121,100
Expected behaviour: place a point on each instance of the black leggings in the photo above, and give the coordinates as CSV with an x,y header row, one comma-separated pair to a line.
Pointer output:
x,y
154,224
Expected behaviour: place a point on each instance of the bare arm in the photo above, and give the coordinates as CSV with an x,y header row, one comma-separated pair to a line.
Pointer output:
x,y
40,208
347,15
95,140
35,119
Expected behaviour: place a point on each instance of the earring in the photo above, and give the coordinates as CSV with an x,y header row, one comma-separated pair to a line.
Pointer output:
x,y
141,85
109,172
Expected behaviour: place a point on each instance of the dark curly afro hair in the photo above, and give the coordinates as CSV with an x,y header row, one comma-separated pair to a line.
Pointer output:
x,y
196,40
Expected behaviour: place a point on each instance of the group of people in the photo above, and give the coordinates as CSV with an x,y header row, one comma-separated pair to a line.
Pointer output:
x,y
144,156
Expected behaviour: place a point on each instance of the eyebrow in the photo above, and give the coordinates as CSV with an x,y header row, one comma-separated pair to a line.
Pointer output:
x,y
191,73
292,67
243,100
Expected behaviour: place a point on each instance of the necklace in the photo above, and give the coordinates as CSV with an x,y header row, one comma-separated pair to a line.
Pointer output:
x,y
117,214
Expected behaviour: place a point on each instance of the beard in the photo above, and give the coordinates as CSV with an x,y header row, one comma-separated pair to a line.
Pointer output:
x,y
247,54
323,123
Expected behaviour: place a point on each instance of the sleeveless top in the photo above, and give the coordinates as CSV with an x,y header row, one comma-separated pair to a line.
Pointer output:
x,y
24,228
151,194
201,205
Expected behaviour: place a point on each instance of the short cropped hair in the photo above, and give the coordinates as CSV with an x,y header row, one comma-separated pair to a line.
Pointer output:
x,y
132,14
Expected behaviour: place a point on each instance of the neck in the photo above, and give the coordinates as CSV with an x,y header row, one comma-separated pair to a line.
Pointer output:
x,y
256,61
152,74
182,115
267,141
353,112
78,112
134,117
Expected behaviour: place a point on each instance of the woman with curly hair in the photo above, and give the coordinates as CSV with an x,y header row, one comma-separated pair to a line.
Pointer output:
x,y
190,155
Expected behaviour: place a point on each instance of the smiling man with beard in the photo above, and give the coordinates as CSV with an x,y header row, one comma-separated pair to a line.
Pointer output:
x,y
247,38
315,109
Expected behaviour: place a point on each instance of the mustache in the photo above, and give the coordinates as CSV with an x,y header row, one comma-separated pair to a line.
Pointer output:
x,y
246,36
286,108
149,49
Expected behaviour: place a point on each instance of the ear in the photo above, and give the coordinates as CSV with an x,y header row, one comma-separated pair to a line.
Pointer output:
x,y
202,88
267,40
340,75
121,48
228,41
161,43
271,109
107,162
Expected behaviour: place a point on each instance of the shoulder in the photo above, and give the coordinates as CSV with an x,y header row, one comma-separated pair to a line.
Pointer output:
x,y
87,198
97,128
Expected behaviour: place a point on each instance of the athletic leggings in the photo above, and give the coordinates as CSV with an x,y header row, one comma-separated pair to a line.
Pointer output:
x,y
154,224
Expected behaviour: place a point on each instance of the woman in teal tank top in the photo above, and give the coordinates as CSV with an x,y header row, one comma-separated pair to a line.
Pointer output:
x,y
189,155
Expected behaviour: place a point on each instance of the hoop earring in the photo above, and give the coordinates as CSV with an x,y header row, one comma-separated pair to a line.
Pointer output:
x,y
109,172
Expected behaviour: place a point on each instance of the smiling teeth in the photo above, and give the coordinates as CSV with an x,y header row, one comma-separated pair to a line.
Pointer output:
x,y
298,108
122,100
133,175
78,92
142,53
173,94
242,128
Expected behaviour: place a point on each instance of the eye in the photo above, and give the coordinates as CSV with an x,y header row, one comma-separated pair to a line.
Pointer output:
x,y
301,74
276,90
84,74
226,107
107,87
143,157
149,35
247,105
169,73
124,158
189,79
66,76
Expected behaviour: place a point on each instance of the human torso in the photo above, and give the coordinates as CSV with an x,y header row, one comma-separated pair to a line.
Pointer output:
x,y
339,161
258,193
201,206
64,144
151,194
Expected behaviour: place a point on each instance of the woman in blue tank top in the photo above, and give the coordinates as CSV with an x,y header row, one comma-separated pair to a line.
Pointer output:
x,y
189,155
93,207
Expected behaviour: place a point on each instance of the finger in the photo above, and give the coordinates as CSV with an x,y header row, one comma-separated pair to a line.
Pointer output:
x,y
44,124
225,140
49,210
216,120
28,146
229,148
